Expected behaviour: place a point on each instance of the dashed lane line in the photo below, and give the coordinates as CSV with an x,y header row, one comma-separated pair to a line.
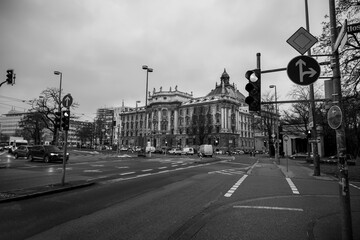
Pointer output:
x,y
236,185
127,173
292,186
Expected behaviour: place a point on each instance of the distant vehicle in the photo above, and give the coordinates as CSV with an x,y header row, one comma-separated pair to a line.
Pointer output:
x,y
47,153
206,150
218,151
15,142
187,151
175,151
3,146
300,155
22,151
159,150
239,152
150,149
334,160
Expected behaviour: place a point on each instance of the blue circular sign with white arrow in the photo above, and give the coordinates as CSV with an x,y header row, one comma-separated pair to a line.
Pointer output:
x,y
67,100
303,70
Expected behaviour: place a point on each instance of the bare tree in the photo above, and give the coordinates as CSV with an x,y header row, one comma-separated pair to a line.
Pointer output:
x,y
46,105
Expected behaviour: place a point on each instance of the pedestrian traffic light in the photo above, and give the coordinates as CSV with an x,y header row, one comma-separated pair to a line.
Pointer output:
x,y
57,122
65,120
10,76
254,89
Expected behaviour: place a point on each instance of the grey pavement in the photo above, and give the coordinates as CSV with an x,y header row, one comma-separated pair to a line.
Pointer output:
x,y
321,230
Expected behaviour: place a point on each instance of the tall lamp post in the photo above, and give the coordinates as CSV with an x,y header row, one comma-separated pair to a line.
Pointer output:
x,y
58,137
277,145
145,67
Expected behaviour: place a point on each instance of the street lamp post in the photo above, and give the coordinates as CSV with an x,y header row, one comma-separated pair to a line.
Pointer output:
x,y
277,145
145,67
58,137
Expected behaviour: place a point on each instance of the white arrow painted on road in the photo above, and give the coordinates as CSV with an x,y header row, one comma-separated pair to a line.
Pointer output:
x,y
302,73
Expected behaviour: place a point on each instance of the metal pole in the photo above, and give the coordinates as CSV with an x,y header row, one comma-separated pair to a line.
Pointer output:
x,y
312,102
277,128
344,193
146,114
64,157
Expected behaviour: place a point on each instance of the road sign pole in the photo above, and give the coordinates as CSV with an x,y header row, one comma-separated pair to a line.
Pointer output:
x,y
312,98
344,193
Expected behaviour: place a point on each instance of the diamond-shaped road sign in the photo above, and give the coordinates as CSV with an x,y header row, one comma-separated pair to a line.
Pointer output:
x,y
302,40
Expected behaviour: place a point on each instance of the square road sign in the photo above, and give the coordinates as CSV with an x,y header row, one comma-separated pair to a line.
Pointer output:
x,y
302,40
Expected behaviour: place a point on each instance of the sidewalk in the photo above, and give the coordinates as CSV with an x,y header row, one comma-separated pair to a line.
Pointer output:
x,y
327,227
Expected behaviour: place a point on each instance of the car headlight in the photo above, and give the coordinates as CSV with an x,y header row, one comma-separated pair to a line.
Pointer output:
x,y
53,154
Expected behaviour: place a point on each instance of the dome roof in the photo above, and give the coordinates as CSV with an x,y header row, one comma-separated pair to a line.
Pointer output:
x,y
226,89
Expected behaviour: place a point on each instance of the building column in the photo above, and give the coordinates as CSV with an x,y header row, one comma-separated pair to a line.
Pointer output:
x,y
159,121
176,126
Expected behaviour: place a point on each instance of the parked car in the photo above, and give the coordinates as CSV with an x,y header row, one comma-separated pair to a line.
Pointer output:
x,y
175,151
334,160
300,155
188,151
47,153
218,151
22,151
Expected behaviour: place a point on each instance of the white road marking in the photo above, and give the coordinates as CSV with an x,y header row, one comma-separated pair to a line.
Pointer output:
x,y
162,167
146,170
354,186
122,167
97,165
230,171
96,170
236,185
271,208
127,173
292,186
156,173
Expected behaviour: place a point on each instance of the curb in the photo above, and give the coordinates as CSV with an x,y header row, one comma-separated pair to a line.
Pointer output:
x,y
21,194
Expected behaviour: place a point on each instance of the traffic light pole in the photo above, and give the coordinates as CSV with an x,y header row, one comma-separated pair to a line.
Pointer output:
x,y
344,193
64,157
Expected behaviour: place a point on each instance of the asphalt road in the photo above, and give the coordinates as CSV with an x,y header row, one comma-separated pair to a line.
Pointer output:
x,y
180,198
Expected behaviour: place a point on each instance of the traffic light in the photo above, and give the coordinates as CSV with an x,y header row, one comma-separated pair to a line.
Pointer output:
x,y
10,76
57,122
308,135
65,120
254,89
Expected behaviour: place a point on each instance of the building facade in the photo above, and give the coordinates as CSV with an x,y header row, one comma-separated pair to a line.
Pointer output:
x,y
177,119
9,123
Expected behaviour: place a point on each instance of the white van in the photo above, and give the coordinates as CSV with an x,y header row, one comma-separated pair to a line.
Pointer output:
x,y
206,150
187,151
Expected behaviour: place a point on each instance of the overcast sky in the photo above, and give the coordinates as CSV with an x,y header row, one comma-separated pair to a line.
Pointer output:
x,y
101,45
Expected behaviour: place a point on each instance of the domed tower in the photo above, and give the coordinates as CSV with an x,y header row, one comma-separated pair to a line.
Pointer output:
x,y
225,78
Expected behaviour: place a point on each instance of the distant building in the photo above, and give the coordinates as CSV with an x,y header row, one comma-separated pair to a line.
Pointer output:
x,y
9,122
177,119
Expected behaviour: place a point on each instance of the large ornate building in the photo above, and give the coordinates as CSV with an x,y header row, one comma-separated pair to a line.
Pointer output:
x,y
177,119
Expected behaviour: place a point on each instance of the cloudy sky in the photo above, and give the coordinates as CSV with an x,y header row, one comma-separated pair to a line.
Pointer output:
x,y
100,46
